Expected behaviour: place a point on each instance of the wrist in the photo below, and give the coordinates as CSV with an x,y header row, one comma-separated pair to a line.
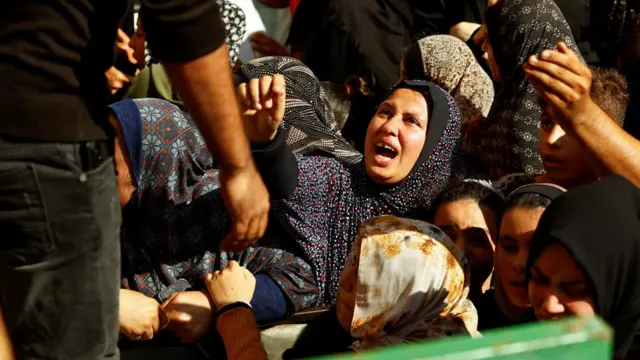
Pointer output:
x,y
589,116
263,142
228,305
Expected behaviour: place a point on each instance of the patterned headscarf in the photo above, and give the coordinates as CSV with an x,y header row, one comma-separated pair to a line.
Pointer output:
x,y
334,198
449,63
309,125
413,282
173,225
508,140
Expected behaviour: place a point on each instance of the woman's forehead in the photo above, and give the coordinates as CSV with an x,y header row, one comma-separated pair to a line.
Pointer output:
x,y
408,100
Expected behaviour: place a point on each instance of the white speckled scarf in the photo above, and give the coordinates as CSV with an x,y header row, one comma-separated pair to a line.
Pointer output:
x,y
411,283
449,63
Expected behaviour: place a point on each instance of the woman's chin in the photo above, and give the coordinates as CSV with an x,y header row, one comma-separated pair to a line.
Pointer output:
x,y
379,175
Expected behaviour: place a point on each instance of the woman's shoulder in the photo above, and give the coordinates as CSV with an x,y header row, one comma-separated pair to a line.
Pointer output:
x,y
325,166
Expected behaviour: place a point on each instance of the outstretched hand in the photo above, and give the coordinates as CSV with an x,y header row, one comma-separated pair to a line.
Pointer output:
x,y
564,83
262,102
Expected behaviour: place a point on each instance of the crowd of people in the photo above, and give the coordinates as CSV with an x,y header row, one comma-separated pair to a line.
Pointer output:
x,y
418,169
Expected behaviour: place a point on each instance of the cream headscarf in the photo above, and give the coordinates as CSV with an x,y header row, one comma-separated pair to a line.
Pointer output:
x,y
412,284
449,63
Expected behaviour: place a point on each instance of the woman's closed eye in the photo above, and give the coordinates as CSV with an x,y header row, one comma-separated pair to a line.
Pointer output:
x,y
509,245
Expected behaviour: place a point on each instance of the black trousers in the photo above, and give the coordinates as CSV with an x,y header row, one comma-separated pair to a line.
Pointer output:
x,y
59,249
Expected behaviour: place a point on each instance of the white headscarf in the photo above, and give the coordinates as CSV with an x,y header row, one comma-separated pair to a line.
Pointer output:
x,y
412,284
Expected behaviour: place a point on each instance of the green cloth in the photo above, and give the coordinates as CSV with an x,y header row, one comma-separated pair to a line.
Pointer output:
x,y
153,82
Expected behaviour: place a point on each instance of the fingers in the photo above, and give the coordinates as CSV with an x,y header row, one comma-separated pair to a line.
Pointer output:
x,y
558,72
123,37
265,92
280,94
254,232
544,83
243,97
254,94
264,221
233,265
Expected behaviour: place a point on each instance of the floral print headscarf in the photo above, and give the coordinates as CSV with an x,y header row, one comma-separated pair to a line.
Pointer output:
x,y
410,283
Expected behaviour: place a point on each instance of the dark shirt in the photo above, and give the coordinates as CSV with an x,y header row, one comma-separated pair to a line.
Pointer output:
x,y
53,55
489,314
323,336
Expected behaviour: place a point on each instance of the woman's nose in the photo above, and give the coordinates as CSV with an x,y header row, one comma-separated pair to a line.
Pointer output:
x,y
552,305
391,126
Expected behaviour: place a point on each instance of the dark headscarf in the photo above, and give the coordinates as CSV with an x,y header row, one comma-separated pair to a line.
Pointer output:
x,y
333,199
578,16
599,225
509,139
309,125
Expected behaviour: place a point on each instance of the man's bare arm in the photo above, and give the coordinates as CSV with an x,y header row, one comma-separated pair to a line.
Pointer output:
x,y
609,145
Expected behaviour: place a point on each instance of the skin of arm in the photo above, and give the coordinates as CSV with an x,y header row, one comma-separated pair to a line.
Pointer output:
x,y
612,150
206,87
6,352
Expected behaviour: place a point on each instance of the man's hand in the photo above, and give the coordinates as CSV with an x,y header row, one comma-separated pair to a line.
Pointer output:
x,y
262,102
191,315
230,285
247,201
116,79
141,317
123,45
564,83
266,46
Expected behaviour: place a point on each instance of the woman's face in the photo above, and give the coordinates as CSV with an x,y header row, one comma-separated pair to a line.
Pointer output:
x,y
473,228
346,302
493,64
558,287
516,231
396,136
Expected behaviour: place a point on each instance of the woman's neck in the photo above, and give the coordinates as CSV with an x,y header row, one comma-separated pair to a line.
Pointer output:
x,y
507,308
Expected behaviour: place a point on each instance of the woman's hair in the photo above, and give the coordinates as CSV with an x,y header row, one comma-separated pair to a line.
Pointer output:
x,y
475,190
527,201
533,196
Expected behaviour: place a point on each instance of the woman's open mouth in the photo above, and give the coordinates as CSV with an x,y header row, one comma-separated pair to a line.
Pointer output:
x,y
385,154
